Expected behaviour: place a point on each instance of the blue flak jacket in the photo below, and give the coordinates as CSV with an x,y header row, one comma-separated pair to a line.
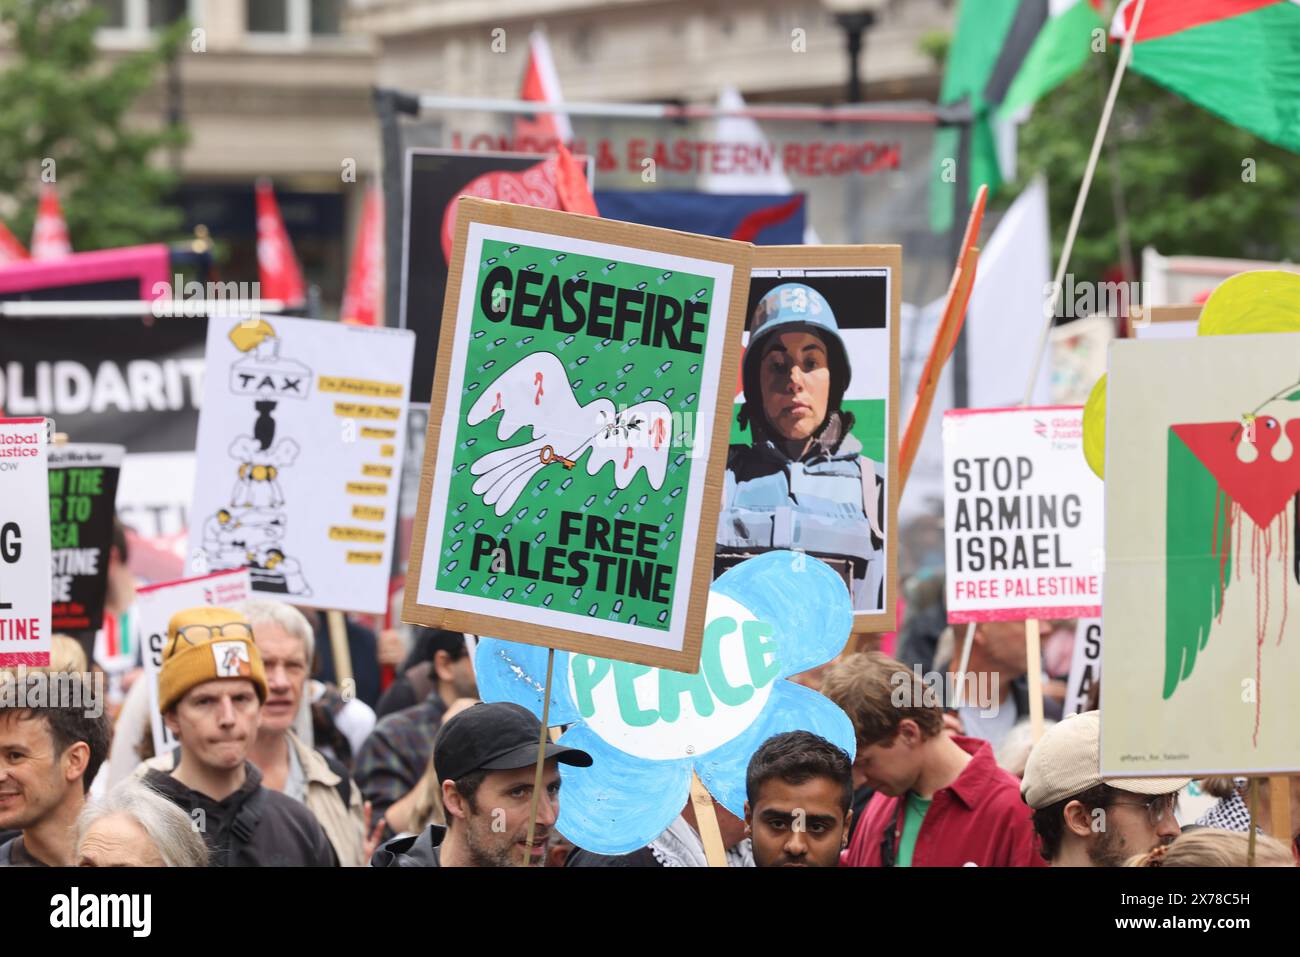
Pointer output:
x,y
828,504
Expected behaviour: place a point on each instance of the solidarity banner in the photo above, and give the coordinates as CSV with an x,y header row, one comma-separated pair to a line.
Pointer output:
x,y
155,606
299,458
24,544
83,489
1022,515
119,381
575,454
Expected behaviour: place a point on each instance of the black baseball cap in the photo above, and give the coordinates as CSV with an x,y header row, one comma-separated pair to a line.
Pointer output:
x,y
496,736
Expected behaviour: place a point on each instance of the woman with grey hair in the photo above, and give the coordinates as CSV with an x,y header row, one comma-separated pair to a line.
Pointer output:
x,y
135,826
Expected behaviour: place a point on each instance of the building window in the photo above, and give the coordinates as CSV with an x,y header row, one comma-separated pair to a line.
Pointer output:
x,y
275,23
131,23
268,16
326,18
163,13
114,14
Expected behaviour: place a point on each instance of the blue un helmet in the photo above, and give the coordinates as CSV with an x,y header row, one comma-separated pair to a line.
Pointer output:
x,y
793,307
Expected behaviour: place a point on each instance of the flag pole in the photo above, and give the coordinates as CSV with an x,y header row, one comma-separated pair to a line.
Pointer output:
x,y
1126,54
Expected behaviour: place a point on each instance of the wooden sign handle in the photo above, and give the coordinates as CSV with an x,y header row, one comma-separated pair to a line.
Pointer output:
x,y
1279,807
1252,801
338,630
541,756
1034,662
706,819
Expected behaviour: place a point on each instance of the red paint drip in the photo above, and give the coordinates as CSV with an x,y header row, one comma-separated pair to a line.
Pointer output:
x,y
537,381
1236,511
1284,547
497,405
627,458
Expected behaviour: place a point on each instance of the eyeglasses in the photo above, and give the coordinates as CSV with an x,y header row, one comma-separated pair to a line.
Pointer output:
x,y
198,634
1156,807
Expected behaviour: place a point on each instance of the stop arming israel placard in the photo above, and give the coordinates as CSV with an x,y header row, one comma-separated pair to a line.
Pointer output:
x,y
1022,515
156,604
24,544
574,460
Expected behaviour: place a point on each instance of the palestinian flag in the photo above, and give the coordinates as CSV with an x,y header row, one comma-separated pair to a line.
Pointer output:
x,y
1001,47
1061,48
1239,59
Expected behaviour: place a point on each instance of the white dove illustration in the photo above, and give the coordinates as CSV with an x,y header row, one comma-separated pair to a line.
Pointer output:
x,y
535,392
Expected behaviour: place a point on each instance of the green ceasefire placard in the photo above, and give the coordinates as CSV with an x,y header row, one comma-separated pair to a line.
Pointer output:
x,y
576,439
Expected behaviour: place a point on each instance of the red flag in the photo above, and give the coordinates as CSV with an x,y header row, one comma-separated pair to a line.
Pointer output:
x,y
50,232
361,298
280,276
11,250
571,184
542,85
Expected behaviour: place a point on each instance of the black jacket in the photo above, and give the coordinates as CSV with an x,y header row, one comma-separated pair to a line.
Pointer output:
x,y
421,850
254,827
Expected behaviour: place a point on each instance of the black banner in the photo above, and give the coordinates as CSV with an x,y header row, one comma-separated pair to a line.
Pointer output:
x,y
434,179
118,380
83,489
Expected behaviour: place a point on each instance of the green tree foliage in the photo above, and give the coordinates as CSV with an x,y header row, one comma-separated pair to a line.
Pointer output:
x,y
63,101
1186,181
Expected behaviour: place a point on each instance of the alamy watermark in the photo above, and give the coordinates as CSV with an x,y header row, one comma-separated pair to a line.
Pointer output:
x,y
194,298
935,689
1079,300
21,688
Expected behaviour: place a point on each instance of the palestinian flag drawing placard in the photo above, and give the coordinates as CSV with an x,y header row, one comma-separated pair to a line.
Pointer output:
x,y
1202,590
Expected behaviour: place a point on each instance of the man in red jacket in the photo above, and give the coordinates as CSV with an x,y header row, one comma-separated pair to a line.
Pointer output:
x,y
941,800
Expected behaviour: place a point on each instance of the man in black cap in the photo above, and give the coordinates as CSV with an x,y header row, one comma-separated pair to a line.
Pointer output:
x,y
486,762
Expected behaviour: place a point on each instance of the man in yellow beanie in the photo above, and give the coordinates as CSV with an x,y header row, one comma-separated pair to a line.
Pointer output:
x,y
210,691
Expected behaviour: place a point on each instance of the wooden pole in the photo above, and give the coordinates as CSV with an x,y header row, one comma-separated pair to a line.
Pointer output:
x,y
541,756
959,700
945,337
1279,807
706,819
1253,801
1034,662
338,630
1126,54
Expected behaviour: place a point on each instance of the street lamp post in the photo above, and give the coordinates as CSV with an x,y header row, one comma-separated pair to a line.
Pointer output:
x,y
855,17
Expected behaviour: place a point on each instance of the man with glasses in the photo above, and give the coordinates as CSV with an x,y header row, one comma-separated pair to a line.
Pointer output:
x,y
1082,821
211,690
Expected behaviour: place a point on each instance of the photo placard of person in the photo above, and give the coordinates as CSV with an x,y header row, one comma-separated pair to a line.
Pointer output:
x,y
575,453
299,458
813,463
24,543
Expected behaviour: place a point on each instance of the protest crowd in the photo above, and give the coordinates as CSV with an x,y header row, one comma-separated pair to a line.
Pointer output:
x,y
442,779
